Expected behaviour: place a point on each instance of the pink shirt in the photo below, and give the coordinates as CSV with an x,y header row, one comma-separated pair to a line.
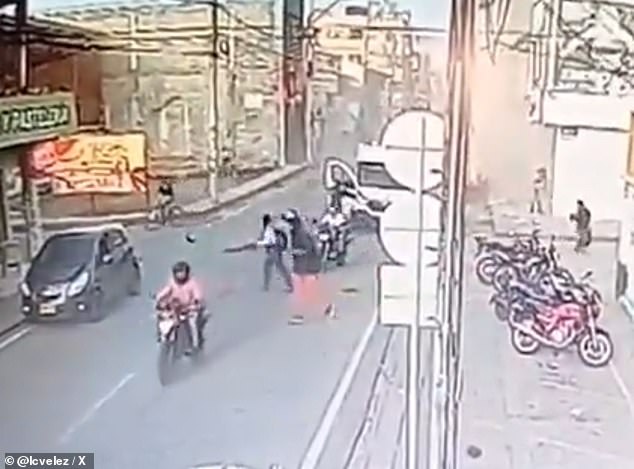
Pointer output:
x,y
186,294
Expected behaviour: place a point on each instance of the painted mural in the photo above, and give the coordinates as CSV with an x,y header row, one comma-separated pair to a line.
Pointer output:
x,y
93,164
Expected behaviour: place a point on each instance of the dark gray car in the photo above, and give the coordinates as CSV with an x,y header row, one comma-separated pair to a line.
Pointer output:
x,y
80,273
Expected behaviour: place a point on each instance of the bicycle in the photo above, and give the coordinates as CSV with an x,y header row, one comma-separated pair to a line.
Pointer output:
x,y
164,215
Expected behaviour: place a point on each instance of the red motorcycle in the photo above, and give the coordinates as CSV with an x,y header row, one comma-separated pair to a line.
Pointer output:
x,y
560,325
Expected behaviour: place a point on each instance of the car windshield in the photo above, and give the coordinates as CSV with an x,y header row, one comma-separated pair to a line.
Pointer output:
x,y
66,250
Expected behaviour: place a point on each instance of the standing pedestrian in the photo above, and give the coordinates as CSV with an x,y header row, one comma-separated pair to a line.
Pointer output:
x,y
309,292
274,243
539,191
582,218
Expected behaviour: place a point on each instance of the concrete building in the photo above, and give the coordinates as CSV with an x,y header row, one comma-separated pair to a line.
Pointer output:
x,y
200,112
581,88
580,84
365,37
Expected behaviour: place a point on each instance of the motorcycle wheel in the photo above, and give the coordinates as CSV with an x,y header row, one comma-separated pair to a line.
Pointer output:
x,y
165,363
595,355
523,343
503,276
485,268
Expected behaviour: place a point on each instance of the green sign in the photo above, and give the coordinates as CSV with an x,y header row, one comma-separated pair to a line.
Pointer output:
x,y
33,118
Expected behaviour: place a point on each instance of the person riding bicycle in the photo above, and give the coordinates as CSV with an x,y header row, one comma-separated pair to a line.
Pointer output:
x,y
185,291
165,196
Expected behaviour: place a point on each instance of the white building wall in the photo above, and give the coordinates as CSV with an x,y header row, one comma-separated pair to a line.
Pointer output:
x,y
590,166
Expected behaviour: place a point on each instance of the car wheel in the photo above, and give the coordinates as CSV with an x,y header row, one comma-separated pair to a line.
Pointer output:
x,y
96,310
134,284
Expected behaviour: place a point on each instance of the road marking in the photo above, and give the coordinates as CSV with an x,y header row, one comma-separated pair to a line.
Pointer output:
x,y
627,395
95,408
15,337
318,442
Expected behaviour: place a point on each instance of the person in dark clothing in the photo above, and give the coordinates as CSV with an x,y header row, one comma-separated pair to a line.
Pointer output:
x,y
582,219
270,240
306,266
165,197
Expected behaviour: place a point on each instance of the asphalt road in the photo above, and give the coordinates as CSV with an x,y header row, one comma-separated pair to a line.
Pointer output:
x,y
257,397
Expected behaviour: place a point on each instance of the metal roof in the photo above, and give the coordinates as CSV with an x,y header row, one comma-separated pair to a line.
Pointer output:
x,y
47,27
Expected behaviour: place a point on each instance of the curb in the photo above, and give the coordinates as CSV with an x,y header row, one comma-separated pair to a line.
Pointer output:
x,y
628,307
141,217
13,326
130,218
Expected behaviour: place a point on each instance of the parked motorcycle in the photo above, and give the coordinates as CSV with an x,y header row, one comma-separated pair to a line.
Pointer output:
x,y
557,320
532,268
491,255
174,339
528,260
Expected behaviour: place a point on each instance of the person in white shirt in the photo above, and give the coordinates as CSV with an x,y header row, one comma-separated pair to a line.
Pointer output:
x,y
334,218
270,241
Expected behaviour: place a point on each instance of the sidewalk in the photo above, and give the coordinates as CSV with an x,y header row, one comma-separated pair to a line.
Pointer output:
x,y
379,443
10,316
198,208
504,218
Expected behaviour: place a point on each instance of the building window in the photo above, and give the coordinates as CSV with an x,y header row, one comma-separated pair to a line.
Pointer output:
x,y
356,58
355,34
375,175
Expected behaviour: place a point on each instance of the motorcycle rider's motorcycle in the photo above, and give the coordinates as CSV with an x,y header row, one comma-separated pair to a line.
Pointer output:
x,y
540,316
175,336
334,240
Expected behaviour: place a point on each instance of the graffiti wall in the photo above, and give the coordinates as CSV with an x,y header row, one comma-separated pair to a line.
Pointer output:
x,y
92,164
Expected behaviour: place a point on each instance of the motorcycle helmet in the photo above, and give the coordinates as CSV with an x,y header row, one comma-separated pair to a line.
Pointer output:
x,y
181,272
291,215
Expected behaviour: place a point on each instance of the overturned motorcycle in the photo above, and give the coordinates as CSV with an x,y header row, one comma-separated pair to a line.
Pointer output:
x,y
558,323
175,340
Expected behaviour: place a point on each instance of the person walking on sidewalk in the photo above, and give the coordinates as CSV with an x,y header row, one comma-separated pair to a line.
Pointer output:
x,y
274,243
539,191
582,218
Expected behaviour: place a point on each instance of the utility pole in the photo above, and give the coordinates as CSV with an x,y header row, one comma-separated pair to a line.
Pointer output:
x,y
233,82
308,69
30,199
408,79
461,42
213,127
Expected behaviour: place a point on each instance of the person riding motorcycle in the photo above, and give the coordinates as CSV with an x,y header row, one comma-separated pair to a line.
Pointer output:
x,y
185,291
165,196
334,218
338,193
335,222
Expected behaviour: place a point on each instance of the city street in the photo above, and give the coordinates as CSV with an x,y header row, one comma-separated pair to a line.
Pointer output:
x,y
257,397
547,411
